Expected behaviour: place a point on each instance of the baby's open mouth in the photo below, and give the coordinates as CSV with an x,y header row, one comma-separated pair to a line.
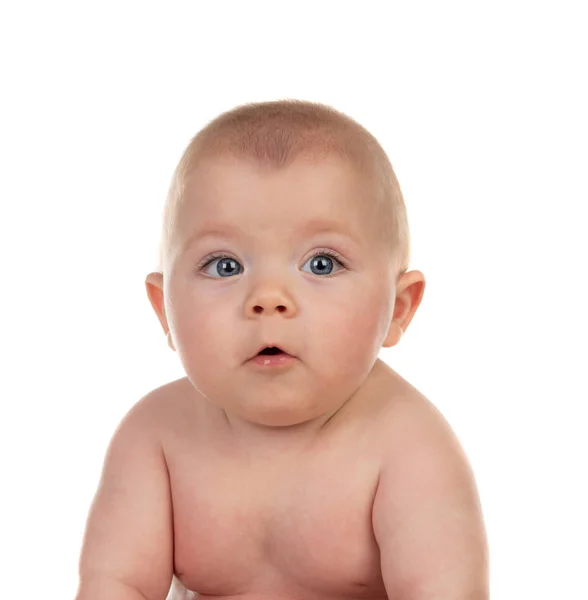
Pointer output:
x,y
273,350
272,356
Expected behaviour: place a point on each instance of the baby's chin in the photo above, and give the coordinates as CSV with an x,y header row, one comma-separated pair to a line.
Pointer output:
x,y
272,418
293,417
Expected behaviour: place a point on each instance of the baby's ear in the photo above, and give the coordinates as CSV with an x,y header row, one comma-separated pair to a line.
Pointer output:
x,y
410,288
395,333
170,342
154,287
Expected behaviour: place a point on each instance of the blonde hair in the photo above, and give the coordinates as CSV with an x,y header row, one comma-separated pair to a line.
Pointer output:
x,y
277,133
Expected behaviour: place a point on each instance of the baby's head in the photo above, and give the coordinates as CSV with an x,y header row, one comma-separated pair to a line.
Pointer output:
x,y
284,225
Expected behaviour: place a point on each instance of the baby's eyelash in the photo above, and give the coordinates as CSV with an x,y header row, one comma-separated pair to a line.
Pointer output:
x,y
210,259
320,252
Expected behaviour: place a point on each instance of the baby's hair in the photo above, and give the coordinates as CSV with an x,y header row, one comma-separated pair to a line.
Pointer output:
x,y
274,134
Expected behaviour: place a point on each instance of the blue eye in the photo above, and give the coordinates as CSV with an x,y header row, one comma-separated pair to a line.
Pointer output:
x,y
226,266
322,263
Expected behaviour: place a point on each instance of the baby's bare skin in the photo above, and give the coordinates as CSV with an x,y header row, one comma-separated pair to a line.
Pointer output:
x,y
266,521
287,527
329,478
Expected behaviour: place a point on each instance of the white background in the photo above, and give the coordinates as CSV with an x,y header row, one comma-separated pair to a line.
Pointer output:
x,y
482,110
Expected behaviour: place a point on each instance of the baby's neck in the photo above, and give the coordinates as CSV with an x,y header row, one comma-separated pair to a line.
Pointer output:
x,y
286,440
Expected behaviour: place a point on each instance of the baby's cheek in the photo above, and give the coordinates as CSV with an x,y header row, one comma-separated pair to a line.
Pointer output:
x,y
366,330
192,333
351,334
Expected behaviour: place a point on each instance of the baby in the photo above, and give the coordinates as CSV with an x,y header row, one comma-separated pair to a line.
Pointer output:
x,y
290,462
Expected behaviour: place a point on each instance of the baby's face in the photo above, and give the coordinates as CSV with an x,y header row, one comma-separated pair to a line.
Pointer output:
x,y
276,284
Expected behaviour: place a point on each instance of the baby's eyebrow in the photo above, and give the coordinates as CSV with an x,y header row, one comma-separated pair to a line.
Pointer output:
x,y
313,227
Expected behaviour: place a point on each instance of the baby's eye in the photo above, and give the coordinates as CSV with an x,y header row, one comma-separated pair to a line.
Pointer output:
x,y
226,266
321,263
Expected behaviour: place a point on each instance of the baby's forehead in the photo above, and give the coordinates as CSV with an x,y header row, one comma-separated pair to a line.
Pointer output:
x,y
232,197
326,180
233,228
312,191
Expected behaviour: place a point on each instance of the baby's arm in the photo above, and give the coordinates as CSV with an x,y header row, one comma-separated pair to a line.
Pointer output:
x,y
127,551
427,516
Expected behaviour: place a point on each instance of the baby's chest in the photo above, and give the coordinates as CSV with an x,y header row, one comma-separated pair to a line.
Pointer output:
x,y
310,529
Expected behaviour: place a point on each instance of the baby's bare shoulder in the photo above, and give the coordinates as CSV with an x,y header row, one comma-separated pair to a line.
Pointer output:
x,y
408,422
173,415
413,421
166,403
